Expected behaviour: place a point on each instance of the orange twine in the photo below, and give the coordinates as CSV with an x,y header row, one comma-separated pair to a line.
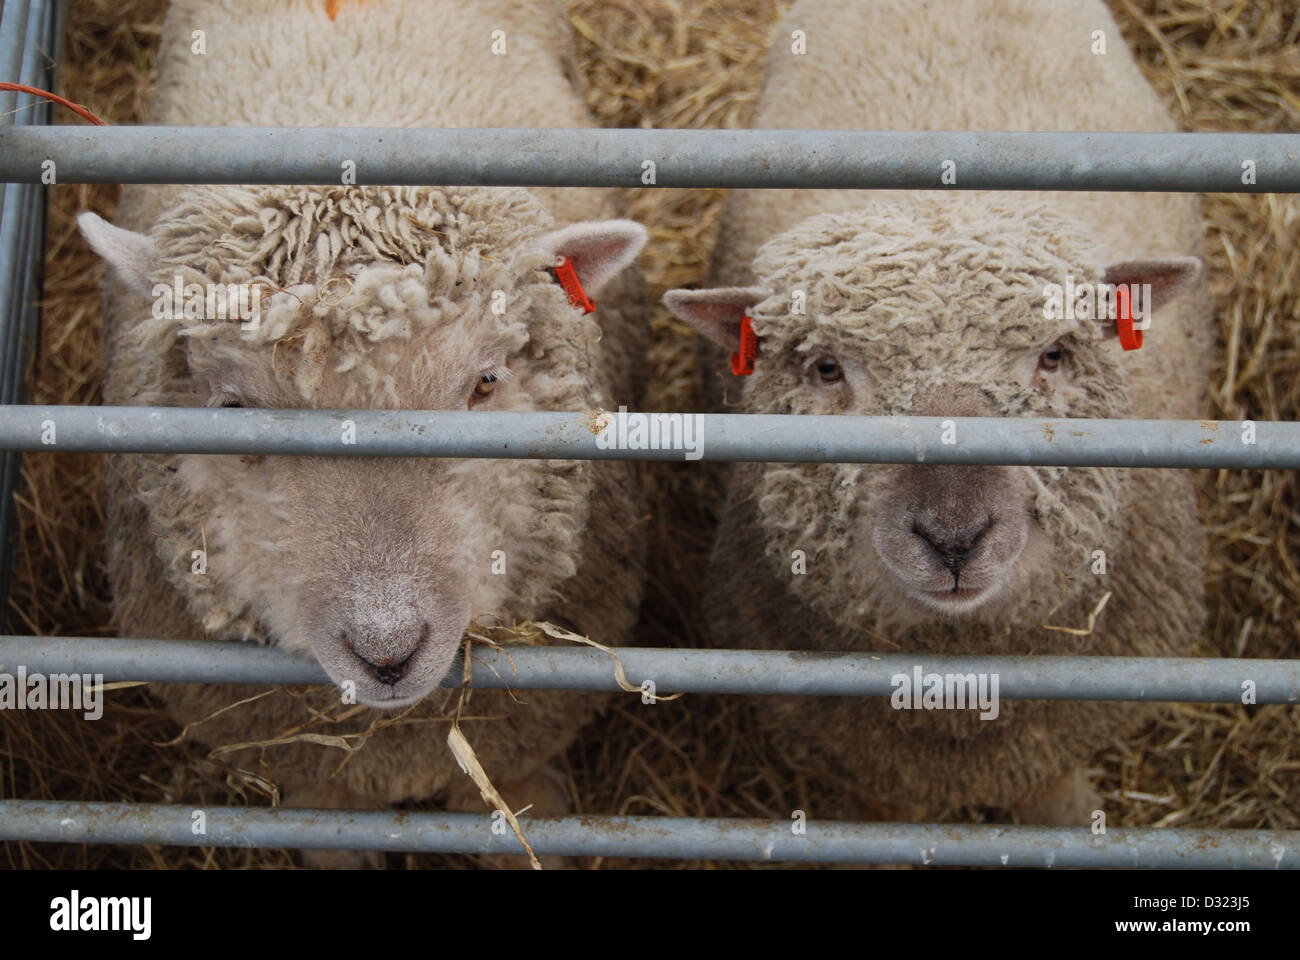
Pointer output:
x,y
76,108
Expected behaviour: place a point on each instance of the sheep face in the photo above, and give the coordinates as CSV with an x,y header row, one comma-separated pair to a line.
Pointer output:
x,y
929,308
386,299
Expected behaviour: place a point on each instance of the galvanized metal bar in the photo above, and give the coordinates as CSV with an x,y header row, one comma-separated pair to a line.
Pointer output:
x,y
774,438
29,45
14,18
689,671
37,68
24,307
19,345
21,273
22,234
843,159
13,35
20,280
678,838
20,230
14,262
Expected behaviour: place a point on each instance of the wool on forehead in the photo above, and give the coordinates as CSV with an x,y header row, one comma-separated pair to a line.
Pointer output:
x,y
296,234
336,270
902,270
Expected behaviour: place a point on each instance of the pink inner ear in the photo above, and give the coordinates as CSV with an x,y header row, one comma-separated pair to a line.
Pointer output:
x,y
720,322
590,253
1167,277
715,313
1158,281
599,250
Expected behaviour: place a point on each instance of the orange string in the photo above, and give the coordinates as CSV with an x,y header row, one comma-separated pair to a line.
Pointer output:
x,y
76,108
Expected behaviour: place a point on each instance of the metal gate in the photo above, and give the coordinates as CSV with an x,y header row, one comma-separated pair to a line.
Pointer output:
x,y
605,158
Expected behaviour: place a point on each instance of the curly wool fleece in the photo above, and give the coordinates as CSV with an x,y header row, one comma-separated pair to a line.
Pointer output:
x,y
935,298
317,249
943,338
333,307
404,63
925,293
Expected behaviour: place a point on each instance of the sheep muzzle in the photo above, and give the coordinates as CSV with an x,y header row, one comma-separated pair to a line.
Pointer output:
x,y
951,535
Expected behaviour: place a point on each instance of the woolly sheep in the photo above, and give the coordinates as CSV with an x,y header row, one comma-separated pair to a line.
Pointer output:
x,y
375,566
933,304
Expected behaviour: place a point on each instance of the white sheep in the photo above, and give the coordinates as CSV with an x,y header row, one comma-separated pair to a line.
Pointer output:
x,y
412,298
934,303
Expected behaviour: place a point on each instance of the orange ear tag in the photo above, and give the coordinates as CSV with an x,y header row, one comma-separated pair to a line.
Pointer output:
x,y
568,277
332,7
1129,338
742,364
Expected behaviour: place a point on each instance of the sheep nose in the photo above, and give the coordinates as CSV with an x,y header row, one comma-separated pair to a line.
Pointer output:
x,y
387,671
953,548
391,669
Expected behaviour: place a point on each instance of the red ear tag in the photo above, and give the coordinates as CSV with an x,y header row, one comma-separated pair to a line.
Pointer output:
x,y
1129,338
568,277
742,364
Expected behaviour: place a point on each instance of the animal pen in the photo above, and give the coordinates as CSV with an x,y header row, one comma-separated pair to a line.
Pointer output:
x,y
616,158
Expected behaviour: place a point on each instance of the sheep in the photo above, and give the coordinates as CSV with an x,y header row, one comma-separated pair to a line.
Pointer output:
x,y
881,303
387,298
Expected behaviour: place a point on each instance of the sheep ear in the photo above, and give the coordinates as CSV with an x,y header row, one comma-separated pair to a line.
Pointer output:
x,y
1167,276
715,313
598,249
131,255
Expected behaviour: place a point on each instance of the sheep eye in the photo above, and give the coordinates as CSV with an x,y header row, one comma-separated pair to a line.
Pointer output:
x,y
1051,358
486,384
231,402
829,371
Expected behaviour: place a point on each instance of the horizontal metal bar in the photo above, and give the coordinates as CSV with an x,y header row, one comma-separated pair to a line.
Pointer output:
x,y
689,671
842,159
764,437
677,838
